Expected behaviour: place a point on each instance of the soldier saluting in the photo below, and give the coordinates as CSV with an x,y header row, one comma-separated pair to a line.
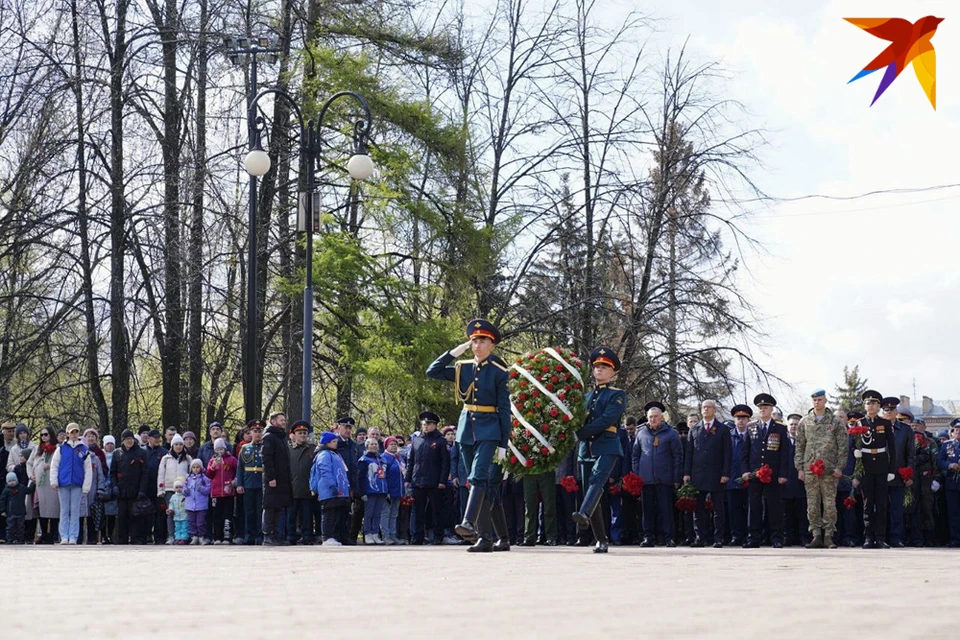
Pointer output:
x,y
879,466
484,425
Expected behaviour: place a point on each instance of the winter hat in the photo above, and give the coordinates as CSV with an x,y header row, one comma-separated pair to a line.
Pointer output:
x,y
127,433
22,428
178,482
176,439
327,437
89,431
390,440
110,440
196,461
11,477
189,434
219,443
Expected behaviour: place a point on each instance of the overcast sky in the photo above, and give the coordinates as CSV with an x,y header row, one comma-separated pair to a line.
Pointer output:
x,y
873,281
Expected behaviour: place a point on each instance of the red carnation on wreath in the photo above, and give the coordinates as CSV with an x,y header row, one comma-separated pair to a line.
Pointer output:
x,y
632,484
849,502
569,484
818,468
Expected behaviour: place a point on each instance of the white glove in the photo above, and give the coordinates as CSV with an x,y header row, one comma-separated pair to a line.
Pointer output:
x,y
459,350
501,453
935,486
857,453
364,498
890,477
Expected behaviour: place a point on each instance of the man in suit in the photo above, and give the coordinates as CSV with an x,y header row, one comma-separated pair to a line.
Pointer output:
x,y
707,463
767,445
905,455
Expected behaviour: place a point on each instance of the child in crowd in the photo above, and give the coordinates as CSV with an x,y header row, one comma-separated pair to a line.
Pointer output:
x,y
177,508
222,470
329,481
391,505
13,507
372,472
197,492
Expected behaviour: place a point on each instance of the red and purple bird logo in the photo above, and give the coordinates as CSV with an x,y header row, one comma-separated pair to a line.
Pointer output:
x,y
908,43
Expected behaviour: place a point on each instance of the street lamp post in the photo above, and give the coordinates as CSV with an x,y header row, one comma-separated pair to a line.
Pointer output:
x,y
237,48
360,167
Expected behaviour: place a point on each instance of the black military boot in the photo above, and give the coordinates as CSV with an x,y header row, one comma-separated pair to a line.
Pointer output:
x,y
468,528
599,531
500,532
590,501
484,541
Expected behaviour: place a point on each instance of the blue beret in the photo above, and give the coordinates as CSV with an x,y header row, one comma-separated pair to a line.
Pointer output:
x,y
819,393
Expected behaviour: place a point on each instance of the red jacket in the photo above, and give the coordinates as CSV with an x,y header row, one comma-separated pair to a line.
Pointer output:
x,y
221,477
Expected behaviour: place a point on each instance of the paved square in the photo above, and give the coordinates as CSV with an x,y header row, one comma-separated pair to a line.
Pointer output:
x,y
444,592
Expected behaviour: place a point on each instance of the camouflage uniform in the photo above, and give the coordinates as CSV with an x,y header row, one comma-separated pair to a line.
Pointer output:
x,y
824,440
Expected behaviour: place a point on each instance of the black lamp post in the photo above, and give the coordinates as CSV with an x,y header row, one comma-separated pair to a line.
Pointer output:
x,y
360,167
241,48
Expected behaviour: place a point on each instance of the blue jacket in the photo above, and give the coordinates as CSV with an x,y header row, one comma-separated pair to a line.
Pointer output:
x,y
483,384
599,434
457,469
658,455
623,464
794,489
394,476
250,466
328,476
372,472
905,451
949,454
708,456
70,472
428,464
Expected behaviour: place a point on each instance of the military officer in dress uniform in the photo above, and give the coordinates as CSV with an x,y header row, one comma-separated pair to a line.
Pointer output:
x,y
484,426
948,460
767,445
879,467
250,482
600,448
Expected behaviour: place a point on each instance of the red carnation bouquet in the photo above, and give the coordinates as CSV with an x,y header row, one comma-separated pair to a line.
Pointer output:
x,y
569,484
906,473
764,474
406,501
632,484
849,502
547,393
708,503
818,468
686,498
857,432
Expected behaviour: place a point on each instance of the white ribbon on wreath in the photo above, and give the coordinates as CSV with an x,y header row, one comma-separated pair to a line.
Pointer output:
x,y
572,369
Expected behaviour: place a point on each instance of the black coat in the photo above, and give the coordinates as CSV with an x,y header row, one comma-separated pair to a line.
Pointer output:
x,y
129,473
770,450
301,461
350,451
276,466
708,456
428,464
154,456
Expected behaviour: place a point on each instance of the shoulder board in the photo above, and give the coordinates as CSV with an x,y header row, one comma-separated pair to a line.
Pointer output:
x,y
499,365
615,388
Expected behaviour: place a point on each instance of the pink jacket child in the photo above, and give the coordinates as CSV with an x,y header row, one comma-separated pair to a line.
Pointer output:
x,y
222,469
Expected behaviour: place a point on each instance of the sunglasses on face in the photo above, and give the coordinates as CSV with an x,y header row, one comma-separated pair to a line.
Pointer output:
x,y
44,435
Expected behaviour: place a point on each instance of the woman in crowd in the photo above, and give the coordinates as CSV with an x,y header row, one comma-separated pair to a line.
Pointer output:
x,y
329,481
129,476
176,464
38,468
71,477
391,506
372,474
110,454
91,506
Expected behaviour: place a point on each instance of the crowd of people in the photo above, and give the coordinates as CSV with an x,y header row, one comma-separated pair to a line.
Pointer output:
x,y
170,488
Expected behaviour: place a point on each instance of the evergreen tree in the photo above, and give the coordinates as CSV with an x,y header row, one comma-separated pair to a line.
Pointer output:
x,y
848,394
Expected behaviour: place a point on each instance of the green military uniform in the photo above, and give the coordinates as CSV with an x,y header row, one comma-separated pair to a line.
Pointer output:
x,y
823,438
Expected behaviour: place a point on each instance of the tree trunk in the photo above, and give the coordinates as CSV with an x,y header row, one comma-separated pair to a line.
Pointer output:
x,y
119,343
173,316
195,295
